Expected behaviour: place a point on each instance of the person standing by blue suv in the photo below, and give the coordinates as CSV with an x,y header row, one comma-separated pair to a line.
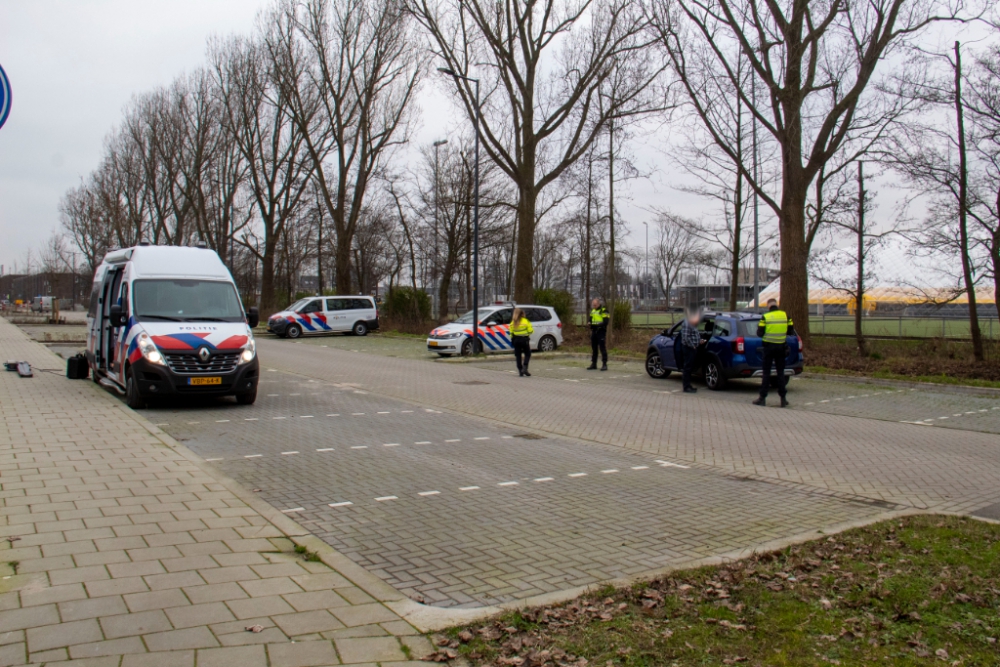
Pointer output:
x,y
732,350
691,343
774,328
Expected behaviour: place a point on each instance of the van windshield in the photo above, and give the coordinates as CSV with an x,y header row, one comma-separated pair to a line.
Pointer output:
x,y
186,301
298,305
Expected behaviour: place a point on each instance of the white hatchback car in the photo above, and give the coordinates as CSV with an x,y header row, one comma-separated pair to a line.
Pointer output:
x,y
494,331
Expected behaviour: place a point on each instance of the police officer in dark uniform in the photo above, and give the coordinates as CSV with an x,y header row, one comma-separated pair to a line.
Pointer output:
x,y
599,319
774,328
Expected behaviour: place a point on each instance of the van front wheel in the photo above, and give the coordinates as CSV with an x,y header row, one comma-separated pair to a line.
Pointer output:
x,y
132,397
247,398
293,331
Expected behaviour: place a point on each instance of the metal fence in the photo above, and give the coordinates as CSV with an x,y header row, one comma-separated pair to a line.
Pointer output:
x,y
876,327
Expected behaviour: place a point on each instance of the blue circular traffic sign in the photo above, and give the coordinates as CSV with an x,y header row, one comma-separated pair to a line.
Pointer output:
x,y
4,97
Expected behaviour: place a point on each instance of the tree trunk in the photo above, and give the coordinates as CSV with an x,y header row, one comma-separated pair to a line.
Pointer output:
x,y
524,273
342,269
794,275
859,292
268,301
963,216
734,283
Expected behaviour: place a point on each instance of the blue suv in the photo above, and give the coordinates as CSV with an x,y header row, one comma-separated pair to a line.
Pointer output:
x,y
733,350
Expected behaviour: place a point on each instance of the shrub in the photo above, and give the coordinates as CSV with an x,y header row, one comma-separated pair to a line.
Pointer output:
x,y
404,304
621,316
560,300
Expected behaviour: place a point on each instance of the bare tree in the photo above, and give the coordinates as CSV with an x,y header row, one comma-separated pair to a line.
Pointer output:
x,y
256,113
349,71
554,73
935,159
675,250
814,63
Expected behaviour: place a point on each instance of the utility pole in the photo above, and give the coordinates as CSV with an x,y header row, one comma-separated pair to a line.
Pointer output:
x,y
611,222
646,276
477,118
435,278
756,216
963,211
859,301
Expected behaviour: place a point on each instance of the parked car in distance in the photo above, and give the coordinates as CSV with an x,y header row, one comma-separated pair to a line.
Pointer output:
x,y
732,351
324,315
494,331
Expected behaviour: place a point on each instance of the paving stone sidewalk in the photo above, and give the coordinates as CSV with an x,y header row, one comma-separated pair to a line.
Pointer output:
x,y
117,549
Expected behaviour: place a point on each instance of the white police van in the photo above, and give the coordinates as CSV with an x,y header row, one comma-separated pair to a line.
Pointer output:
x,y
494,331
168,321
326,314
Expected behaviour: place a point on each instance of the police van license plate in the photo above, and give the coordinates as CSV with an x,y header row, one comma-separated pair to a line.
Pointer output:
x,y
204,381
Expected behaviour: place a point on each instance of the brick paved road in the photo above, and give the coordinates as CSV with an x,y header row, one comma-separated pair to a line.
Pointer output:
x,y
883,459
842,445
455,510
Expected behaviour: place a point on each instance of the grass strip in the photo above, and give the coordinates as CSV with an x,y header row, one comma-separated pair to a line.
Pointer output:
x,y
921,590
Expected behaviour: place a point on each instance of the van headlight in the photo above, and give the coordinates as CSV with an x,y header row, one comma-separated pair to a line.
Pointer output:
x,y
149,351
249,352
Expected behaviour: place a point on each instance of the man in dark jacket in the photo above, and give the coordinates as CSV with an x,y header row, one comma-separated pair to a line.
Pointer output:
x,y
689,348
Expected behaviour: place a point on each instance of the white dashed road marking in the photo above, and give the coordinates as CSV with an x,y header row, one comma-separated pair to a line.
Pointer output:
x,y
481,438
294,509
384,498
213,459
429,493
325,449
640,467
467,488
508,483
391,444
608,472
288,453
545,479
343,504
454,440
253,456
423,442
578,474
221,421
360,447
668,464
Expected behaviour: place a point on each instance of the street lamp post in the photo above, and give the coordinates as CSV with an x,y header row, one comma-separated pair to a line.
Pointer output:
x,y
475,211
437,194
646,277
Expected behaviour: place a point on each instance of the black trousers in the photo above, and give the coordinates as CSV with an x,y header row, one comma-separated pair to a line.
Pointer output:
x,y
598,340
688,357
522,351
774,357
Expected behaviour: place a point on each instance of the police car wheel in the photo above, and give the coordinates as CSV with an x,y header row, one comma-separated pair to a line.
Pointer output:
x,y
360,329
714,379
654,366
547,344
467,347
293,331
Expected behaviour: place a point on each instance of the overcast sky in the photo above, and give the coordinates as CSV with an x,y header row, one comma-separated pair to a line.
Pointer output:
x,y
74,64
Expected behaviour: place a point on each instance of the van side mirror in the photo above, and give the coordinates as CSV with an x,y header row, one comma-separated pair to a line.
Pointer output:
x,y
116,316
253,317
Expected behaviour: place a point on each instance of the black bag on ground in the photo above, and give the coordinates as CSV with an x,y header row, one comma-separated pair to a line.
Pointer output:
x,y
77,368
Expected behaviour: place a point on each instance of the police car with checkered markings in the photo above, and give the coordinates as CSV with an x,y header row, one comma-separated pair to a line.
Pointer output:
x,y
326,315
494,331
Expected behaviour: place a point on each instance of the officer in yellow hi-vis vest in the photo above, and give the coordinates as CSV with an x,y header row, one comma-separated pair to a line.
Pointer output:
x,y
774,328
599,318
520,338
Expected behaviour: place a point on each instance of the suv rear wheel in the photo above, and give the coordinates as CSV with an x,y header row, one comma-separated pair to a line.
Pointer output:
x,y
714,379
654,366
360,329
547,344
